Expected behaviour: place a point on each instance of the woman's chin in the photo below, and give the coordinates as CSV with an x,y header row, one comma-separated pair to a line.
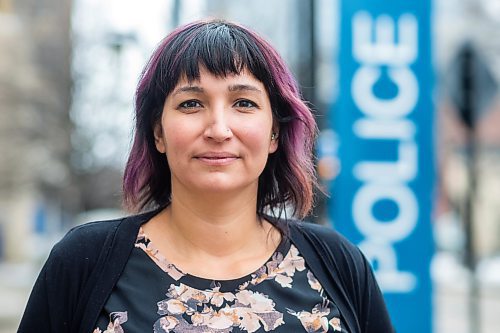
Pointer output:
x,y
220,186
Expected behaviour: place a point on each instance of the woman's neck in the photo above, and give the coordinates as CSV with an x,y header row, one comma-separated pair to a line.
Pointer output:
x,y
214,225
225,242
214,235
218,228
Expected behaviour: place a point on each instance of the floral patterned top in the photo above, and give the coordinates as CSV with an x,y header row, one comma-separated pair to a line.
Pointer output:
x,y
153,295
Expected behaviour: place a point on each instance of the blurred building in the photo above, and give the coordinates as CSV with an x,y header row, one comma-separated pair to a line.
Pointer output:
x,y
456,24
35,128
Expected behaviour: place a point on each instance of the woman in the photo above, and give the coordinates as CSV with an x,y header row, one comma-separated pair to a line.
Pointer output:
x,y
223,144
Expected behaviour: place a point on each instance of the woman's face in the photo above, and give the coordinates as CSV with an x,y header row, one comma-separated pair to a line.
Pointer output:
x,y
217,133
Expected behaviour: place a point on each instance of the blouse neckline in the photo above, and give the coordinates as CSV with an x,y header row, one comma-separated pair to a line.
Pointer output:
x,y
273,262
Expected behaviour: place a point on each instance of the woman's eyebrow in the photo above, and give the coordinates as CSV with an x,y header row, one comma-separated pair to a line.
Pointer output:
x,y
243,87
192,89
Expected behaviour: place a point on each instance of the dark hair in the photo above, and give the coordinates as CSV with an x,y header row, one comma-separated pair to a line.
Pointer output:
x,y
222,48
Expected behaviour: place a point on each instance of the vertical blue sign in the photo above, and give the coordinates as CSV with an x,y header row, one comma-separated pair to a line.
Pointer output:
x,y
382,199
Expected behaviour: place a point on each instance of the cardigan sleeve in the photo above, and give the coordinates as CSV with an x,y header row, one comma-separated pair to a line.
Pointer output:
x,y
52,297
361,285
36,317
63,279
348,276
371,304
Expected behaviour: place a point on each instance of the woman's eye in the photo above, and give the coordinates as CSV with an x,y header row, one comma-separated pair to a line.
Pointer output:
x,y
190,104
244,103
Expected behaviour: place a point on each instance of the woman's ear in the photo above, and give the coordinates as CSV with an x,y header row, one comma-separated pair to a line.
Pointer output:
x,y
160,143
274,140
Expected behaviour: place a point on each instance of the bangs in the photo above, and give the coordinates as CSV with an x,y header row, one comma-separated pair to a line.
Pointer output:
x,y
219,48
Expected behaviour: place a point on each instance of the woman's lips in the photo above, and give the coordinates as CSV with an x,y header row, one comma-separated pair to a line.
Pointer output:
x,y
217,159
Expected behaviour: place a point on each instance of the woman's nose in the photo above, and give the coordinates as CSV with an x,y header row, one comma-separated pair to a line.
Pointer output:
x,y
218,128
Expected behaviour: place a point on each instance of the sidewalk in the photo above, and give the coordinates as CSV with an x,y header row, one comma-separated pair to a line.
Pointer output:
x,y
16,281
451,295
451,309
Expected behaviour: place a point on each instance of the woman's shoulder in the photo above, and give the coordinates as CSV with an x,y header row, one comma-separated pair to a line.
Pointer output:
x,y
89,239
85,241
94,231
325,242
299,229
325,235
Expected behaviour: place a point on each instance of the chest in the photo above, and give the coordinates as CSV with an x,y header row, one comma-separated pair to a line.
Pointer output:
x,y
281,296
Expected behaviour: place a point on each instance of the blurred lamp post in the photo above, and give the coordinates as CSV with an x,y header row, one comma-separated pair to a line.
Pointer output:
x,y
472,88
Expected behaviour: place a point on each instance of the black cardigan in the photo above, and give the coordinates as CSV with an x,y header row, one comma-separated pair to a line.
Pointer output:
x,y
85,265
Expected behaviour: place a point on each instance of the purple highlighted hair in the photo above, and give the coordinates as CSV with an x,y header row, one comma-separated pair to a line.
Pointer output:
x,y
222,48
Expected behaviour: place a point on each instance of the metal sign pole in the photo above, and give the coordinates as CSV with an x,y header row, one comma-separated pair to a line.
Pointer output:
x,y
468,113
472,88
473,299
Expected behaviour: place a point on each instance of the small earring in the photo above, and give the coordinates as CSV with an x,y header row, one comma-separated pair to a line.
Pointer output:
x,y
273,136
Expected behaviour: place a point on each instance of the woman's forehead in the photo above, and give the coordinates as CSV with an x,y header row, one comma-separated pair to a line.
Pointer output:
x,y
205,75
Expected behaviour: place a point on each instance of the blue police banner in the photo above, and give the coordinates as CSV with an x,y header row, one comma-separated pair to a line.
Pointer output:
x,y
382,198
